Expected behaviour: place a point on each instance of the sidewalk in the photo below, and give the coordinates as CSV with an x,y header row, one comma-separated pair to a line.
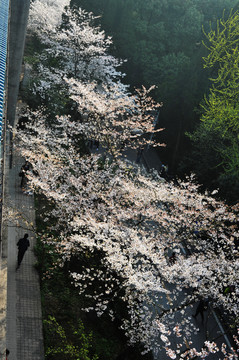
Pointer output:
x,y
24,337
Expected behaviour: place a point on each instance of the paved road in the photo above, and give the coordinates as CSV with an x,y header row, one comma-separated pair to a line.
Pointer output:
x,y
24,336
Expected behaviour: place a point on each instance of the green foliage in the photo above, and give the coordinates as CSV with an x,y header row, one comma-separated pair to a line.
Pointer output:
x,y
74,345
221,113
219,126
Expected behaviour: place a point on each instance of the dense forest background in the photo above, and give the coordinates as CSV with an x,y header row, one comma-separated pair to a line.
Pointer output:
x,y
162,42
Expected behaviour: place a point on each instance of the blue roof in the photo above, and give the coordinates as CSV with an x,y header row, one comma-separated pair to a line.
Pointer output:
x,y
4,8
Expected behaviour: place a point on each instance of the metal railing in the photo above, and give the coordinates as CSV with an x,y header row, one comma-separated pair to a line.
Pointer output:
x,y
4,21
4,13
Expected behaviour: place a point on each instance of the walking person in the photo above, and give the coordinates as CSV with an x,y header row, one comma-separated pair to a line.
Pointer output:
x,y
7,353
25,167
202,306
22,245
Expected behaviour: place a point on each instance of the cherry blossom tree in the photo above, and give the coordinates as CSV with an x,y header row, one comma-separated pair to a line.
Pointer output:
x,y
115,119
112,223
130,219
76,62
73,48
46,14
